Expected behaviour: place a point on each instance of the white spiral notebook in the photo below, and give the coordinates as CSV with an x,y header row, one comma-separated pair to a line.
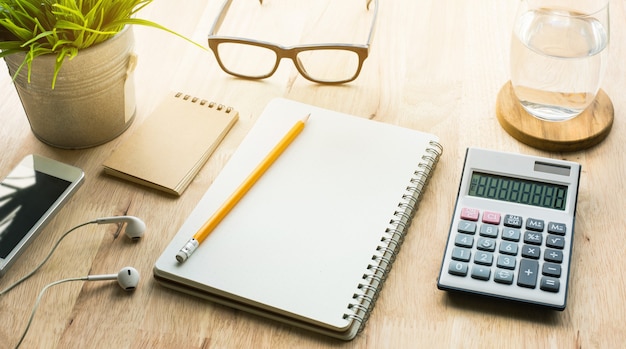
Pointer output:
x,y
313,240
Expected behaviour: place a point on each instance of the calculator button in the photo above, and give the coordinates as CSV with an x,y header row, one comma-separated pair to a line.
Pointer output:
x,y
481,273
467,227
463,240
533,238
535,224
483,258
529,251
557,228
461,254
509,248
551,269
457,268
527,276
470,214
506,262
553,256
511,234
486,244
549,284
491,217
555,241
503,276
512,221
489,230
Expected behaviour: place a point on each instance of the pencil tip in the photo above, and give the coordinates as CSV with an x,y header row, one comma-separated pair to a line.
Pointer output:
x,y
306,118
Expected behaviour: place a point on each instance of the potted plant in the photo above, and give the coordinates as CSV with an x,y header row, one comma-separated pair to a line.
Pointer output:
x,y
72,63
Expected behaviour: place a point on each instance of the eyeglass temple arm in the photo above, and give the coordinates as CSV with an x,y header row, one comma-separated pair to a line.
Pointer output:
x,y
226,6
371,33
220,19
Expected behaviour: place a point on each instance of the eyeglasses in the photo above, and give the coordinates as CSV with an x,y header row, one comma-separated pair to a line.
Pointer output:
x,y
320,63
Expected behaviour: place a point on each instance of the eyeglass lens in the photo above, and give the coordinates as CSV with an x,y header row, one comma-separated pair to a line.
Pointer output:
x,y
247,60
328,65
324,65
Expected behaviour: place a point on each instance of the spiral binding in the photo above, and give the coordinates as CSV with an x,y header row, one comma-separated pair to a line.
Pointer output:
x,y
385,254
203,102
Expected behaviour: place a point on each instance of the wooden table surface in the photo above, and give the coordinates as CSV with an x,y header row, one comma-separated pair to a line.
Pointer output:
x,y
436,66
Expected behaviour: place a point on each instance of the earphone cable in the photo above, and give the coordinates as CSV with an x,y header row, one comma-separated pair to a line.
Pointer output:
x,y
9,288
32,314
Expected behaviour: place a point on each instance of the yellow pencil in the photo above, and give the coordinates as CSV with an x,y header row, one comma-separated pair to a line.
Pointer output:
x,y
239,193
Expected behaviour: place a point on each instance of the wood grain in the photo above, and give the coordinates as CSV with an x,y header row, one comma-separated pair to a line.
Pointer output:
x,y
581,132
434,65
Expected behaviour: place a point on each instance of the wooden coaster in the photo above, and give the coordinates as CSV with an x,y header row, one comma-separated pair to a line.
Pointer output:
x,y
581,132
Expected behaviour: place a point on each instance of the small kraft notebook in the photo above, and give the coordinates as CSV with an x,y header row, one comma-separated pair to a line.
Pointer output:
x,y
171,146
313,240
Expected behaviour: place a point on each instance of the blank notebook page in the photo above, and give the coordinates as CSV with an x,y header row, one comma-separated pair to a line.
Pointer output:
x,y
300,241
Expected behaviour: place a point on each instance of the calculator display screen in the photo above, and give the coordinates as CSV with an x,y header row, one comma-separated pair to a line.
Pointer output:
x,y
518,190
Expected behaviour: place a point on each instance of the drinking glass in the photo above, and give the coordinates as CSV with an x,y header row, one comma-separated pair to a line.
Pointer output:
x,y
559,53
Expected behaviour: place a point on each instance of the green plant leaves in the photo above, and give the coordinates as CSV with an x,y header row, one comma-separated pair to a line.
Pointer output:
x,y
63,27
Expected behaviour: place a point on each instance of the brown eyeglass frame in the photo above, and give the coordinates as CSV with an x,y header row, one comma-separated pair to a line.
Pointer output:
x,y
290,52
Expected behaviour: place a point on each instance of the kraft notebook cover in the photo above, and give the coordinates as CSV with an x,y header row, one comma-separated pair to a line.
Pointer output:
x,y
313,240
171,146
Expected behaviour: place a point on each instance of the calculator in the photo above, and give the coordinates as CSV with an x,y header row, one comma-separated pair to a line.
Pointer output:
x,y
512,231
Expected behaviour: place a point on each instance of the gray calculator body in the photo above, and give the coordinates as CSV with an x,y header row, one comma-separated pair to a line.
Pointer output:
x,y
512,230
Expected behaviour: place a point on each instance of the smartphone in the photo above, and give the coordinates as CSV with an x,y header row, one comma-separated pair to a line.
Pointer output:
x,y
30,195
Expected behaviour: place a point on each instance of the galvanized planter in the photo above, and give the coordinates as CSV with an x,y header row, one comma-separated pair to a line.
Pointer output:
x,y
93,100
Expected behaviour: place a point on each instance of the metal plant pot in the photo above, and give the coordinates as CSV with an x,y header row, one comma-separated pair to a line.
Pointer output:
x,y
93,100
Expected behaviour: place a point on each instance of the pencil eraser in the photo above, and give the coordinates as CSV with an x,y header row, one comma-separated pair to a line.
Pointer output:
x,y
181,256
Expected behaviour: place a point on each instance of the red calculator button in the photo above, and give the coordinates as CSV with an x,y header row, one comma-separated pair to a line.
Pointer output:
x,y
470,214
491,217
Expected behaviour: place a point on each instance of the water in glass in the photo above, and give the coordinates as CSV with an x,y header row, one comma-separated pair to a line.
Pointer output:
x,y
558,58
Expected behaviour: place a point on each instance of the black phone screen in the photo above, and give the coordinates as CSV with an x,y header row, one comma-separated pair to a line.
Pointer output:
x,y
25,196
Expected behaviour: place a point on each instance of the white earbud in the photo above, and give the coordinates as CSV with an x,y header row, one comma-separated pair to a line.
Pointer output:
x,y
127,278
135,227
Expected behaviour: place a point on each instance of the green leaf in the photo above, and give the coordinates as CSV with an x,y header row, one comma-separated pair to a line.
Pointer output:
x,y
63,27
